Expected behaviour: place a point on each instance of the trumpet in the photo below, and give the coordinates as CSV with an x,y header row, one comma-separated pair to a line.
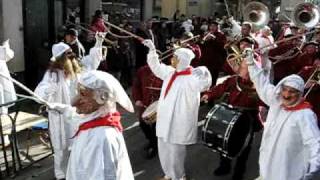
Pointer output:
x,y
315,77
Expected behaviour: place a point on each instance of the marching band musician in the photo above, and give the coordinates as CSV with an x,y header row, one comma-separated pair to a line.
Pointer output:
x,y
313,97
99,151
309,54
71,38
144,93
213,52
283,57
290,147
237,91
59,85
177,113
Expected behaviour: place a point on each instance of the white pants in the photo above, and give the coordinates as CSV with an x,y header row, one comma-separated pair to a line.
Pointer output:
x,y
60,158
172,157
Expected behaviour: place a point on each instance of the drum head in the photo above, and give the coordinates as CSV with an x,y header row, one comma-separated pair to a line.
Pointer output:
x,y
150,110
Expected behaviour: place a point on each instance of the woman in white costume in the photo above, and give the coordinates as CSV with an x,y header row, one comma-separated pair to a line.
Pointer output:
x,y
98,151
177,113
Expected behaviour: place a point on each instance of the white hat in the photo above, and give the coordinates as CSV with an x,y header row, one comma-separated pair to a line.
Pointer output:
x,y
293,81
58,49
185,56
105,82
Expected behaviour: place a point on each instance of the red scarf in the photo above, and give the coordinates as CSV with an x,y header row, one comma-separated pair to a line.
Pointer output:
x,y
302,105
111,119
174,76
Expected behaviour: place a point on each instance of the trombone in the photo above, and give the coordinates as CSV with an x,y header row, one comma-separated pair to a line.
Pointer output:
x,y
315,77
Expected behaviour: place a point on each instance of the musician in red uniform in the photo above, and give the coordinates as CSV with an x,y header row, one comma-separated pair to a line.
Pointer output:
x,y
313,85
213,52
309,54
283,57
145,91
238,91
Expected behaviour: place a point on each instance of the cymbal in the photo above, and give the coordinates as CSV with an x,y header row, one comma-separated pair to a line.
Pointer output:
x,y
153,88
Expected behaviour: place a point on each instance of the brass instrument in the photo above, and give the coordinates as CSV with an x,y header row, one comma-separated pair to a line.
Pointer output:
x,y
315,77
305,15
176,46
235,56
257,14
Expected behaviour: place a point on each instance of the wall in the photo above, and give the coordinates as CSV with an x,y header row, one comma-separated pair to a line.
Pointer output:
x,y
11,14
90,7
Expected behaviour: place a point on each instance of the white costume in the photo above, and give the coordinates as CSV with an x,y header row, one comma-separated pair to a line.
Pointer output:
x,y
177,113
54,87
290,147
7,91
99,153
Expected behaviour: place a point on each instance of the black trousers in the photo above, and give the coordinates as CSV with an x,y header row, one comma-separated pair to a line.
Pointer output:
x,y
149,130
241,161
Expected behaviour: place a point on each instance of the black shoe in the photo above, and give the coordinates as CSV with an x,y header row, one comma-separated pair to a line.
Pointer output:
x,y
222,170
151,153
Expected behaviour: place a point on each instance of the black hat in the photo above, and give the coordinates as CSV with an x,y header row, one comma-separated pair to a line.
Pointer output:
x,y
311,43
72,32
248,40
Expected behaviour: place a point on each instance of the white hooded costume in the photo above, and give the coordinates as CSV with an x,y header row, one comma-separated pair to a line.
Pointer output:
x,y
55,88
177,113
290,147
7,91
99,153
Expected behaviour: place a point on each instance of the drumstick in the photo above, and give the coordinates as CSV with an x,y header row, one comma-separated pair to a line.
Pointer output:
x,y
153,88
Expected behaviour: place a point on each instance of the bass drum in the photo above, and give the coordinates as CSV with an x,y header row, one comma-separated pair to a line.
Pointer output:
x,y
226,130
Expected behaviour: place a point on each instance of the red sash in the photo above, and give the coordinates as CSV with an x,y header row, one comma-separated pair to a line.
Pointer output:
x,y
111,119
302,105
174,76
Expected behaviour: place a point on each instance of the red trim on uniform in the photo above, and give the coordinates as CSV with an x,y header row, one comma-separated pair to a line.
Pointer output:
x,y
111,119
174,76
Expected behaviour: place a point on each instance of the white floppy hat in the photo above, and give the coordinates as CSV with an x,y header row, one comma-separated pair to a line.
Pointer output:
x,y
103,81
58,49
184,56
293,81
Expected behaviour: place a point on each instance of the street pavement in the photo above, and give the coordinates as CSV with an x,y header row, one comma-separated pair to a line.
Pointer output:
x,y
200,163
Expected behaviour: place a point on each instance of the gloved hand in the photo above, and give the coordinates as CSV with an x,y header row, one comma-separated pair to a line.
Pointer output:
x,y
139,103
249,56
99,38
58,107
148,43
204,98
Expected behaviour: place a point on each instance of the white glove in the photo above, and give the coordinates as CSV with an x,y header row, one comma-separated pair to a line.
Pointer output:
x,y
139,103
58,107
99,38
148,43
204,98
248,52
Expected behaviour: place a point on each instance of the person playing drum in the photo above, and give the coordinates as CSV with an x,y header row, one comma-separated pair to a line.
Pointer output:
x,y
146,90
178,107
237,91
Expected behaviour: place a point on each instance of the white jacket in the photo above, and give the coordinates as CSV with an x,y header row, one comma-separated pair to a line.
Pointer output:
x,y
177,113
290,147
